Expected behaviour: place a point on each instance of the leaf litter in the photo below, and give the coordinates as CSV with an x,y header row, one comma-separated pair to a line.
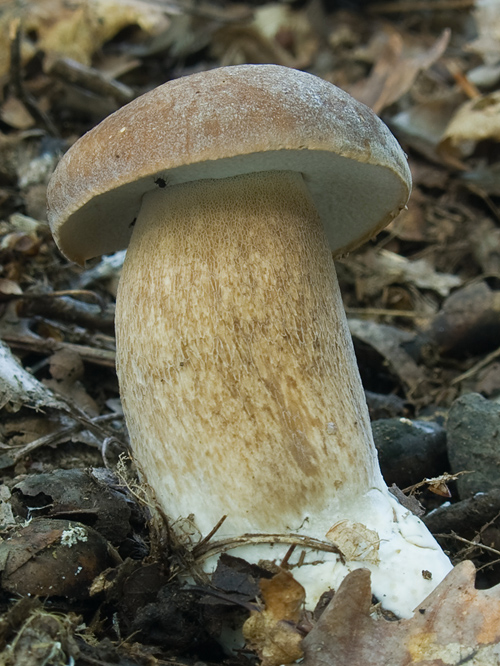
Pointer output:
x,y
422,300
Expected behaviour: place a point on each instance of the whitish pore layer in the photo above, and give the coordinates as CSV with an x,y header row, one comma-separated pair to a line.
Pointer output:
x,y
240,385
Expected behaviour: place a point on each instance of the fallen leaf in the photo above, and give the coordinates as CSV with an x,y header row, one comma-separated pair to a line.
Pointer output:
x,y
396,70
488,381
67,368
14,113
476,120
485,178
236,578
421,127
355,541
487,18
9,288
410,225
456,624
388,341
88,496
272,632
79,29
385,268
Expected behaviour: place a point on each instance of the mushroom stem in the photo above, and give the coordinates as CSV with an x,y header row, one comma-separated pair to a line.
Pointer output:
x,y
239,380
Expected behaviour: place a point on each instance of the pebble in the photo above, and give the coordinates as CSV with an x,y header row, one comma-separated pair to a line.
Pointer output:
x,y
474,443
409,451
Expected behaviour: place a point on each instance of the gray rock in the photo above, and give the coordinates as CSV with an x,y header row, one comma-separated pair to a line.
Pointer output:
x,y
409,451
474,443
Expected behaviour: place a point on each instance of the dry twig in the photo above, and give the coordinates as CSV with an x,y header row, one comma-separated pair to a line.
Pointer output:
x,y
16,80
33,343
420,6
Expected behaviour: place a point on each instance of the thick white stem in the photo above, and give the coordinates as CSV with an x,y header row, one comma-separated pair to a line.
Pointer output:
x,y
238,376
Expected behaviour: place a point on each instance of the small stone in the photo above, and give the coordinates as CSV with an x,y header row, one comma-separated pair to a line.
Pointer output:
x,y
409,451
474,443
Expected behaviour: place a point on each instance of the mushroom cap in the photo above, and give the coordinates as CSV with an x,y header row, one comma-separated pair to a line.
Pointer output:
x,y
226,122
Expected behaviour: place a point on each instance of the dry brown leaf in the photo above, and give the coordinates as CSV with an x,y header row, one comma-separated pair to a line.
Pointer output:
x,y
66,368
485,178
456,624
484,238
383,268
9,288
418,272
355,541
277,34
272,632
14,113
6,513
487,43
76,29
290,29
389,341
476,120
9,15
488,381
396,70
239,44
421,126
411,225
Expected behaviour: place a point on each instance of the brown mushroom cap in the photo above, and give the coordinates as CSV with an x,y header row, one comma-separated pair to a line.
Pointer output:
x,y
225,122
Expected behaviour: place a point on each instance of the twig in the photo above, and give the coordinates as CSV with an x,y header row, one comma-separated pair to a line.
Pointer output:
x,y
381,312
420,5
201,544
208,549
53,294
475,368
487,564
484,195
489,549
16,80
489,523
461,79
90,79
106,445
102,357
54,438
61,306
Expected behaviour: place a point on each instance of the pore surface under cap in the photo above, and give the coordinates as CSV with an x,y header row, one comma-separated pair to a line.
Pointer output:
x,y
221,123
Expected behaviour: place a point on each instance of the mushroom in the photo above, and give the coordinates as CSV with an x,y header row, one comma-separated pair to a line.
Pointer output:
x,y
237,371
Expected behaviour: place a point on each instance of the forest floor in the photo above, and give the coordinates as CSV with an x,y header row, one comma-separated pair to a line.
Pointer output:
x,y
422,299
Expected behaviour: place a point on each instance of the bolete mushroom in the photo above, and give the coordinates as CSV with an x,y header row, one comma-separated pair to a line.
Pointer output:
x,y
236,367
